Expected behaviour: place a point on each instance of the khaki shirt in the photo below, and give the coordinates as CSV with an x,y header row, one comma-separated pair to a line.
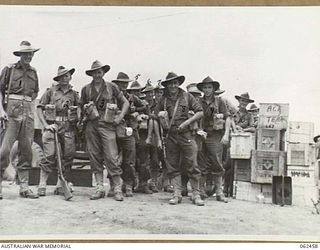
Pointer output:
x,y
243,118
24,81
61,99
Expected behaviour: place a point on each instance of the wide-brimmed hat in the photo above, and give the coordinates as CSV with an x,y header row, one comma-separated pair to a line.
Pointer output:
x,y
244,96
172,76
316,138
25,47
122,77
253,107
97,65
135,85
208,79
148,87
62,71
159,86
219,91
192,88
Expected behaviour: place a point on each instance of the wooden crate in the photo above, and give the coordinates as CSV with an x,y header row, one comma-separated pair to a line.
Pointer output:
x,y
268,139
273,115
248,191
242,170
302,132
241,145
303,176
301,154
277,183
266,164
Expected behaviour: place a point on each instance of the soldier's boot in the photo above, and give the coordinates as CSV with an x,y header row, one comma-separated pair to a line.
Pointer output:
x,y
177,197
203,194
153,187
117,188
195,185
111,190
153,182
184,184
219,193
43,183
100,192
145,188
25,191
209,187
128,190
167,187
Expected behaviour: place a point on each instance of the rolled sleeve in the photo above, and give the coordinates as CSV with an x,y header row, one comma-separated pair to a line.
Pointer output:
x,y
223,109
4,79
45,99
194,104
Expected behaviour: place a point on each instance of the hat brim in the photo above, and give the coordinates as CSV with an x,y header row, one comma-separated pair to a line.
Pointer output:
x,y
121,80
241,97
19,52
56,78
216,85
219,91
179,78
105,68
251,110
144,90
316,138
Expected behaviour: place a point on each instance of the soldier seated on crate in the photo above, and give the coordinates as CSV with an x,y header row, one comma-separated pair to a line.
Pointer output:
x,y
57,111
243,120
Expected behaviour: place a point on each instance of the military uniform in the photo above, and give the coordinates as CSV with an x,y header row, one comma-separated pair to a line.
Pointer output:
x,y
62,101
101,135
20,110
181,145
243,118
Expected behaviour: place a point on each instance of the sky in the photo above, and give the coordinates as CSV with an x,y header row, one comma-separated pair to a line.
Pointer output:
x,y
271,52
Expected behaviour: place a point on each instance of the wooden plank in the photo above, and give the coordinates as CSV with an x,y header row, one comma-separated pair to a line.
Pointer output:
x,y
242,170
268,139
273,115
302,176
302,132
241,145
248,191
266,164
301,154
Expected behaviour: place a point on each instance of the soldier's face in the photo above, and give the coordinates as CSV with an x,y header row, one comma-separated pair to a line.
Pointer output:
x,y
149,95
158,94
26,58
243,103
97,75
207,89
65,79
123,85
173,86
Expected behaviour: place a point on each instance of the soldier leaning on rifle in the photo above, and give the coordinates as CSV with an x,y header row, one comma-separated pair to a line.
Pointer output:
x,y
175,105
57,111
153,137
100,101
243,119
216,123
20,81
138,110
127,141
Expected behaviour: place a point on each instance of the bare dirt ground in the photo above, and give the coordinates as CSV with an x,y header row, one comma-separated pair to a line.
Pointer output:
x,y
147,214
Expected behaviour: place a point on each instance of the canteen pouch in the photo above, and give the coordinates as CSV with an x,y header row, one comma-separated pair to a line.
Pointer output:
x,y
50,112
73,114
164,119
218,122
91,111
122,131
110,112
143,121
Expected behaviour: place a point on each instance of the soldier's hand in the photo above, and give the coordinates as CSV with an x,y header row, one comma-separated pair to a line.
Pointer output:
x,y
117,121
132,108
3,115
52,127
239,129
202,133
225,140
182,126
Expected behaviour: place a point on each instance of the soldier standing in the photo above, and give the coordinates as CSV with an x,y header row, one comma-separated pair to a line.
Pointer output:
x,y
216,123
172,110
100,101
57,111
20,83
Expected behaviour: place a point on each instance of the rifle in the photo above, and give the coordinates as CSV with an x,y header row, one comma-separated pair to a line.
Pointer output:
x,y
163,143
64,183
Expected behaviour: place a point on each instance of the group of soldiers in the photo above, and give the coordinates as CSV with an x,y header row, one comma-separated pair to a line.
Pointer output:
x,y
184,134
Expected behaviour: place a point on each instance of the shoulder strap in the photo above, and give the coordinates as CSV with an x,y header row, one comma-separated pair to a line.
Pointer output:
x,y
98,96
10,81
165,104
173,115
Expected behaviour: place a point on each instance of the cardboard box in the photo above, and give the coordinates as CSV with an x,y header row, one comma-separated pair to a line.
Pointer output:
x,y
241,145
301,154
302,132
268,139
248,191
266,164
273,115
242,170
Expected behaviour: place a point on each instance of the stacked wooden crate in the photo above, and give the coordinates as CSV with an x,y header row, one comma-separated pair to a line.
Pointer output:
x,y
302,165
253,175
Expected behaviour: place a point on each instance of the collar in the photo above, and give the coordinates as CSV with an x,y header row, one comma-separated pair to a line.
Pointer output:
x,y
19,66
212,99
180,94
58,87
